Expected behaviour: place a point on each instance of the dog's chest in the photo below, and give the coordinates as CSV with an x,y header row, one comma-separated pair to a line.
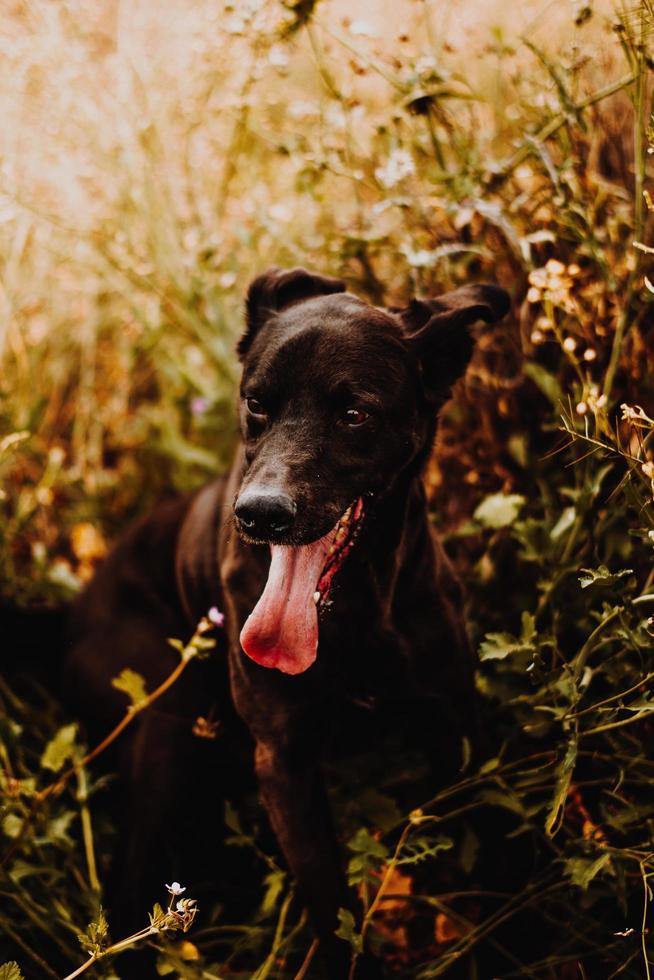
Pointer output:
x,y
364,659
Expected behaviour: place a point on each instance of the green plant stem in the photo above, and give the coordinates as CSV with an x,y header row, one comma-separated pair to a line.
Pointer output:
x,y
643,925
115,948
550,128
132,712
639,202
620,331
33,955
392,865
263,972
467,924
188,654
614,697
87,829
584,653
306,963
616,724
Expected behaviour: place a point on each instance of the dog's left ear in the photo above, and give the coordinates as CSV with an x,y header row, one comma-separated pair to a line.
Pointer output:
x,y
437,330
274,291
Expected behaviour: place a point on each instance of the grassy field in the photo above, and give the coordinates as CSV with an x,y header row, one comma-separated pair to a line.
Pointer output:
x,y
153,158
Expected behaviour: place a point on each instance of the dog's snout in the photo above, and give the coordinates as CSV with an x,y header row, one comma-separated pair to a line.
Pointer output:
x,y
265,512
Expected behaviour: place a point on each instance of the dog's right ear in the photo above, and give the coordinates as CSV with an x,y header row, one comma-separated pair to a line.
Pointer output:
x,y
274,291
437,330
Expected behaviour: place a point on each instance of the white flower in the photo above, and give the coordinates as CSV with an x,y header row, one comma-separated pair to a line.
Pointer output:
x,y
175,889
398,166
302,109
426,65
361,28
633,413
278,57
419,259
216,617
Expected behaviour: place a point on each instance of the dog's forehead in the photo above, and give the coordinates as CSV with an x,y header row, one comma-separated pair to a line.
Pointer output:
x,y
333,334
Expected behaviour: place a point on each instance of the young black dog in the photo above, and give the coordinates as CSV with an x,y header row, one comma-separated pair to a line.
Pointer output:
x,y
318,549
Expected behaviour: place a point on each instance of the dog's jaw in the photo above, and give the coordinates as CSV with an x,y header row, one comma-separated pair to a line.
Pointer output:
x,y
282,629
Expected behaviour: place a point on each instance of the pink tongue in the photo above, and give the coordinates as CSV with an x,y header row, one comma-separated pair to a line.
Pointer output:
x,y
282,629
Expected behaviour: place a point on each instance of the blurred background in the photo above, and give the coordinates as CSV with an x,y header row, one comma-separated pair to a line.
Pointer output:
x,y
153,159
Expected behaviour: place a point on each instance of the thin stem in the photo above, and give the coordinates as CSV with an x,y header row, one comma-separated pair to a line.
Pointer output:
x,y
639,182
33,955
643,926
188,653
392,864
545,132
583,654
306,963
614,697
267,966
131,714
87,829
616,724
121,944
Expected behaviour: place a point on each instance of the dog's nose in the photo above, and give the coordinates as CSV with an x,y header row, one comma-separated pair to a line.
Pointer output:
x,y
265,512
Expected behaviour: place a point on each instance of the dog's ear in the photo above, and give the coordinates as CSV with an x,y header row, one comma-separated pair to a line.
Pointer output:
x,y
437,330
274,291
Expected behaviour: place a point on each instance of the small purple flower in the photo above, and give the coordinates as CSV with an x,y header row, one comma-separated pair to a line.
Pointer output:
x,y
199,405
216,617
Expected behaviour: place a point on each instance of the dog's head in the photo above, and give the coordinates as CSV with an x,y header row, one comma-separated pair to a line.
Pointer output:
x,y
337,399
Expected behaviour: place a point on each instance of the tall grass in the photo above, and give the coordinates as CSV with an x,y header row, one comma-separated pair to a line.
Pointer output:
x,y
153,159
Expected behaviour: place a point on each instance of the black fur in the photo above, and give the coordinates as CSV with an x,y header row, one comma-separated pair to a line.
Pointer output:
x,y
393,631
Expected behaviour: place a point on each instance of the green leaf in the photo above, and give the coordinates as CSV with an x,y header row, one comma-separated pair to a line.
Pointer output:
x,y
642,704
499,510
59,826
232,819
566,768
95,938
274,883
369,855
545,381
379,809
59,749
419,848
581,871
499,646
602,576
12,825
564,523
10,971
157,916
364,843
506,801
347,930
469,850
133,685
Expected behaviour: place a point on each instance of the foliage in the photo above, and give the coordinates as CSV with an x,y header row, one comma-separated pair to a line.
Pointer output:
x,y
138,195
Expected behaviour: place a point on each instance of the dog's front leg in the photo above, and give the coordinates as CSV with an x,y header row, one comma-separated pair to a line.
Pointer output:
x,y
293,793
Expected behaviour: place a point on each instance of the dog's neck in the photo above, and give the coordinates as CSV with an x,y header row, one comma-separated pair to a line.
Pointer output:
x,y
398,529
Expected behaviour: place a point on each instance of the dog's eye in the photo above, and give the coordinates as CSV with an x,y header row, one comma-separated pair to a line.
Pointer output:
x,y
255,407
355,417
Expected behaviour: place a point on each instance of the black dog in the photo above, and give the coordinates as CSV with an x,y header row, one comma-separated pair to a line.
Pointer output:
x,y
318,549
